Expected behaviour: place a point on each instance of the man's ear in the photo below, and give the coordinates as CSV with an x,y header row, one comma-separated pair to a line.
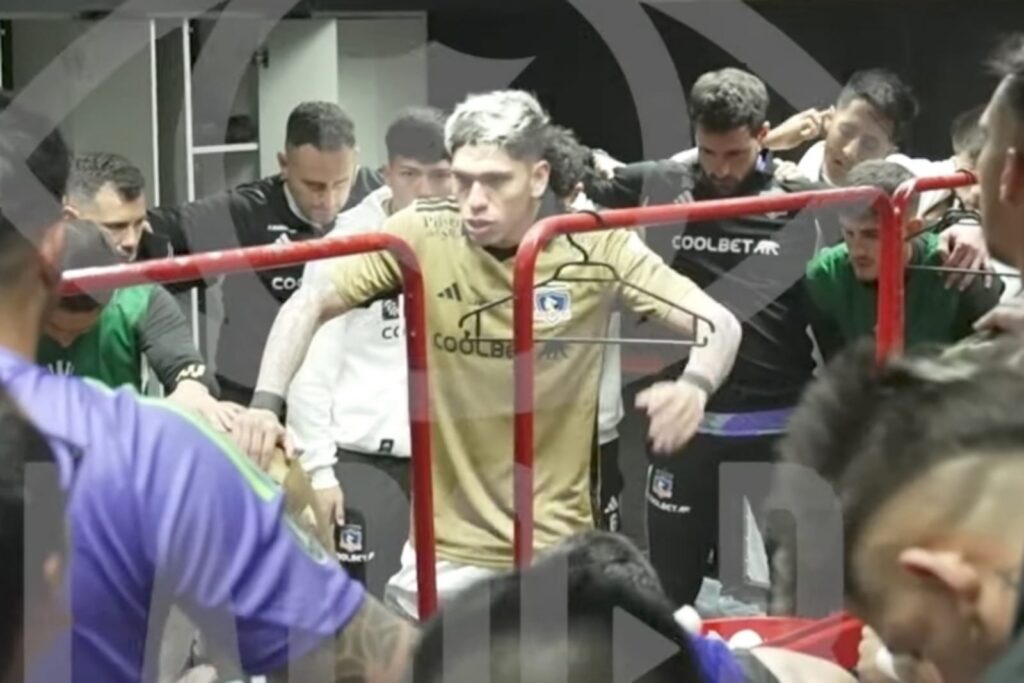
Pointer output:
x,y
1011,180
282,164
945,569
762,132
539,178
69,212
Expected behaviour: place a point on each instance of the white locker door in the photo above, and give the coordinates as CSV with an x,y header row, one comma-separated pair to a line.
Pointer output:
x,y
383,69
302,64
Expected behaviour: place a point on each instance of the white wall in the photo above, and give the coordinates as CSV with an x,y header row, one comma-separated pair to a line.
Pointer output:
x,y
382,68
117,115
302,65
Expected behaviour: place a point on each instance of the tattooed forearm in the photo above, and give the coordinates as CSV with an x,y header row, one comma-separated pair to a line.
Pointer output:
x,y
376,646
289,338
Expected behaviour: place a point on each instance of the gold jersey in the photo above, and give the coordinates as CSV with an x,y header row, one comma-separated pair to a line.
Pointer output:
x,y
470,370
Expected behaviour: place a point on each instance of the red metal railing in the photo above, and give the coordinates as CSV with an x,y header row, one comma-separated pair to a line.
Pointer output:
x,y
260,258
891,276
652,216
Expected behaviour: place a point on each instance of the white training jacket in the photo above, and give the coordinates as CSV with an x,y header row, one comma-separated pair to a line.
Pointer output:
x,y
351,391
812,166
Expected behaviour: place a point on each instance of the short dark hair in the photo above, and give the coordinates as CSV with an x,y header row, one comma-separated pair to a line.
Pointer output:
x,y
33,174
885,175
727,99
29,490
871,431
417,133
571,162
595,603
887,93
1008,64
965,133
324,125
92,171
612,554
87,246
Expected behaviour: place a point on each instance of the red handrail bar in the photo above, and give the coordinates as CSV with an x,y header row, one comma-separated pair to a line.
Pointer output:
x,y
522,302
891,277
209,264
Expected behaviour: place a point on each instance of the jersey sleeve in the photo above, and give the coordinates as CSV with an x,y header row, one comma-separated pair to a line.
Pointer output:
x,y
817,303
223,549
641,267
363,279
207,224
166,342
630,185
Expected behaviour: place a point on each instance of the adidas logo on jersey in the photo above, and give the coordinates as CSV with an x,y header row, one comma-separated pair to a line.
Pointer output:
x,y
451,292
62,367
283,239
726,245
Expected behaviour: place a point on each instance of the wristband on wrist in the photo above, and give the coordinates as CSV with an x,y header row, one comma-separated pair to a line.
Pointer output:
x,y
698,380
266,400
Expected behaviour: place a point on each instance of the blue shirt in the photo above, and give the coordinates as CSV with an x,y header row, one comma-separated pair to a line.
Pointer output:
x,y
161,513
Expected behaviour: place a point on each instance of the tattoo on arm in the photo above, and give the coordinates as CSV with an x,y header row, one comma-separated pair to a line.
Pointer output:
x,y
293,330
376,646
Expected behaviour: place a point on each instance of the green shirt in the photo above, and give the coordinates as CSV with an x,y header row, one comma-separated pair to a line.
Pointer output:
x,y
842,308
138,322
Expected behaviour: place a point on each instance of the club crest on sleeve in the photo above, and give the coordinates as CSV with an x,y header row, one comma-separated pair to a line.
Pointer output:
x,y
552,305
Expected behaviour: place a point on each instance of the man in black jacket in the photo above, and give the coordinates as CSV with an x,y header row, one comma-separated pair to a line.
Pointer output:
x,y
318,174
753,265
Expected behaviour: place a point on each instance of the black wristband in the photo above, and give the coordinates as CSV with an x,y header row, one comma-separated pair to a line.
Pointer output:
x,y
266,400
698,380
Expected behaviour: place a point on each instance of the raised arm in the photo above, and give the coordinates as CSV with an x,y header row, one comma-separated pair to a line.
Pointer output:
x,y
206,224
676,408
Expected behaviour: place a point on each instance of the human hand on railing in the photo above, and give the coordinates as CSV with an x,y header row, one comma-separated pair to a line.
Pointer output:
x,y
258,432
1008,316
963,246
675,410
808,125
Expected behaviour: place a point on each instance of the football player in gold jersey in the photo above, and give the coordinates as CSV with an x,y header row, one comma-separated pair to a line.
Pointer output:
x,y
466,247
